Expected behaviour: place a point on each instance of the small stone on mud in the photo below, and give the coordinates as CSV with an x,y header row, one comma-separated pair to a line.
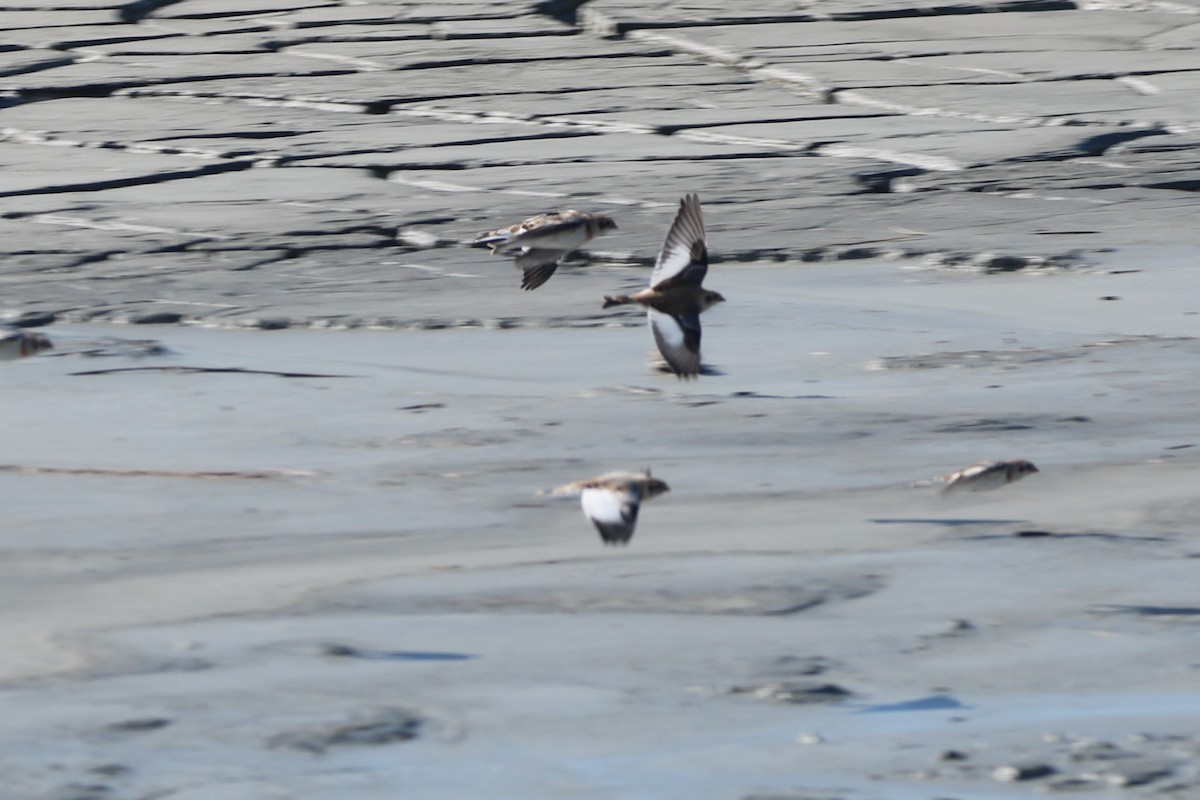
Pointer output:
x,y
82,791
1069,784
1023,772
145,724
799,665
269,323
111,770
1092,750
341,650
1137,773
797,693
156,318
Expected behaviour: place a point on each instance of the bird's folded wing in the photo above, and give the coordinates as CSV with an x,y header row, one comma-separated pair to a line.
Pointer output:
x,y
565,235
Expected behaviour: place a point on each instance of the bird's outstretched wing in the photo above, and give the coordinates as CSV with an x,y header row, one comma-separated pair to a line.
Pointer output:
x,y
684,255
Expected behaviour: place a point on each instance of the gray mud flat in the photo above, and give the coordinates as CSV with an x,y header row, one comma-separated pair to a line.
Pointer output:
x,y
279,536
222,581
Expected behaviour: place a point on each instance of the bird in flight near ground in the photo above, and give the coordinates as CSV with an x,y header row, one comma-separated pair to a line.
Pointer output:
x,y
540,242
676,298
984,476
611,501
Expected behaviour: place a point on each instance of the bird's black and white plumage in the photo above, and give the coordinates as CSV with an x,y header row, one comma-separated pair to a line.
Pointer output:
x,y
984,476
539,243
611,501
676,297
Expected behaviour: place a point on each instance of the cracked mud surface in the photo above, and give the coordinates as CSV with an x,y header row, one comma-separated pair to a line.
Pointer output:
x,y
303,161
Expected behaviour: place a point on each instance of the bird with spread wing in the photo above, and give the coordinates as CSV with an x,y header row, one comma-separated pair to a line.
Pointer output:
x,y
676,298
611,501
539,243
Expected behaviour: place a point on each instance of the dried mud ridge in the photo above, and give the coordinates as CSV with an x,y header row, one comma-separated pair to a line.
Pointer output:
x,y
386,726
175,161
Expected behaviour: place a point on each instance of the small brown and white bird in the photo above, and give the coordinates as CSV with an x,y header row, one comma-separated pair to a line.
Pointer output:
x,y
540,242
676,299
611,501
18,343
985,476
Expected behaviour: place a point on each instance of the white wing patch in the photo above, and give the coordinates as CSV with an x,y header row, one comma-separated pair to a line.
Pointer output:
x,y
607,506
613,512
671,339
671,261
668,331
981,477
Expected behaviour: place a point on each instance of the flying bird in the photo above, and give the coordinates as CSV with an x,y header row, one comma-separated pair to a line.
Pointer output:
x,y
540,242
984,476
18,343
676,299
611,501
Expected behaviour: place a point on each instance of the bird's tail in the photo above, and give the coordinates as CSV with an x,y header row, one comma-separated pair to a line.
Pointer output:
x,y
616,300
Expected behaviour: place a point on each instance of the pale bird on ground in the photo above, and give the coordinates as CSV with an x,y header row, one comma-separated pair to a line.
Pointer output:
x,y
611,501
984,476
18,343
540,242
676,299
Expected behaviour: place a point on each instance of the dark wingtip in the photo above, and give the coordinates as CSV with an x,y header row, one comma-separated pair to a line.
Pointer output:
x,y
614,533
533,277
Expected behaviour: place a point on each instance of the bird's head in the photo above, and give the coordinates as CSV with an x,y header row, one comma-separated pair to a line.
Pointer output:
x,y
711,298
605,224
654,487
1021,468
